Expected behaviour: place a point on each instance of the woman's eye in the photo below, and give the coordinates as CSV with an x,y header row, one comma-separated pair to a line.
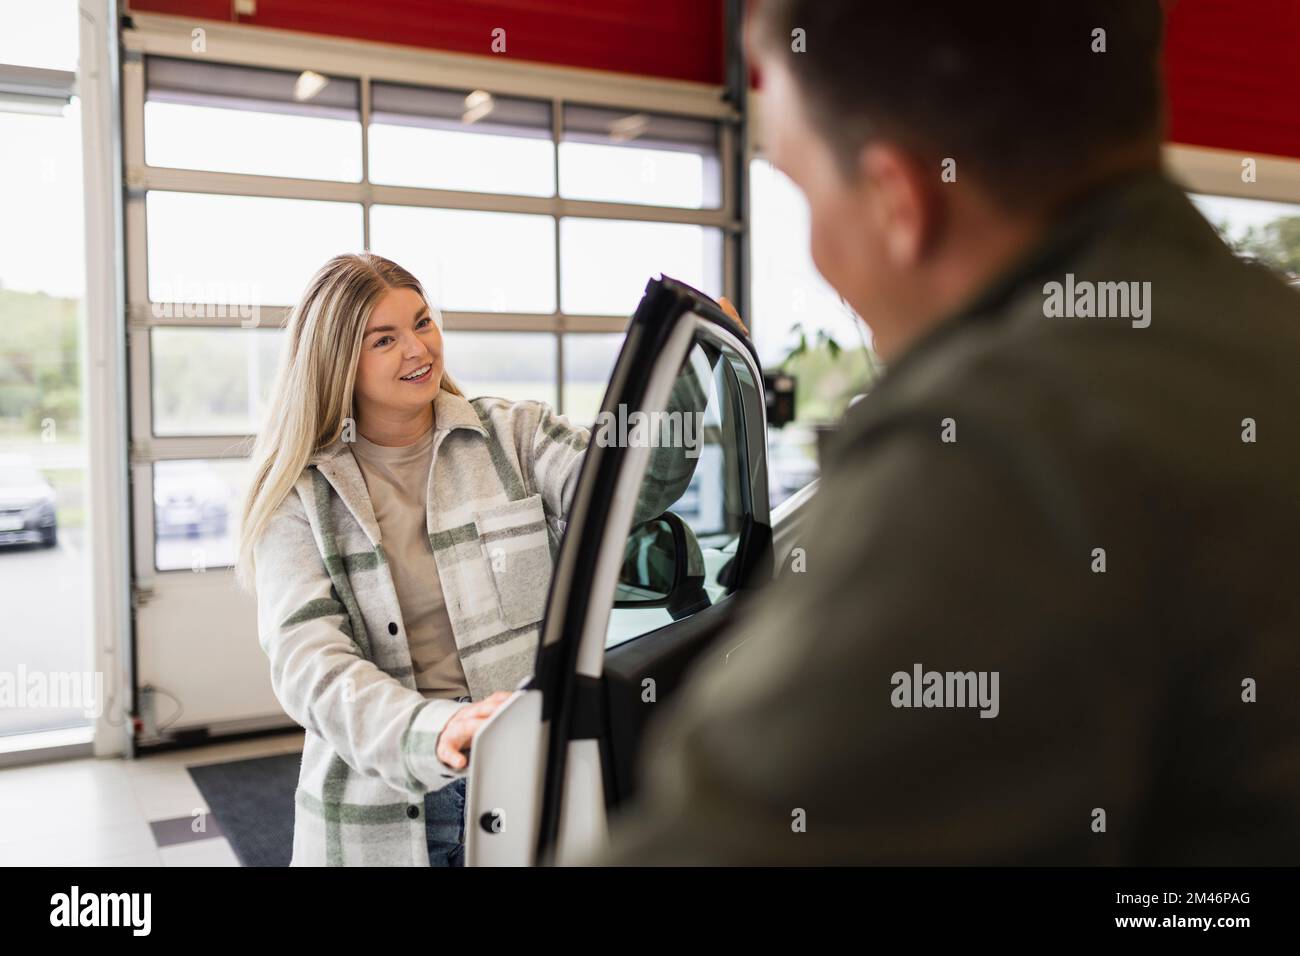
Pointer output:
x,y
382,341
423,320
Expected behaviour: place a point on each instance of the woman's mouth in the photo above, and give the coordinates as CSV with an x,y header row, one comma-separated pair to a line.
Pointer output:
x,y
420,375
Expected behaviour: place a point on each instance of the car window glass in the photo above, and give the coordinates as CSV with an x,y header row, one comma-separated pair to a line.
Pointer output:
x,y
701,479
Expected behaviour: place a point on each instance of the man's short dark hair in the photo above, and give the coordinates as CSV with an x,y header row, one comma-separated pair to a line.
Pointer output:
x,y
1012,90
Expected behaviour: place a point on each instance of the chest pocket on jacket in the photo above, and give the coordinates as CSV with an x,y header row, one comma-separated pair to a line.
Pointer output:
x,y
517,549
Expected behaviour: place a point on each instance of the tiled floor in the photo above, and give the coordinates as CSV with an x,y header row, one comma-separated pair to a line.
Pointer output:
x,y
114,812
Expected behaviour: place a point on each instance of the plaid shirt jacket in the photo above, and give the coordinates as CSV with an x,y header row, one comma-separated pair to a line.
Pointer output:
x,y
499,489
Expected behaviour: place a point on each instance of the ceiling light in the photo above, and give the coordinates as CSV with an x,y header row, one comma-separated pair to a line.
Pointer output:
x,y
308,84
477,105
629,127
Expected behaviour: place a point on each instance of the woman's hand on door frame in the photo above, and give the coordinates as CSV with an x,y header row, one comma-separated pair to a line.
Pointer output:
x,y
457,736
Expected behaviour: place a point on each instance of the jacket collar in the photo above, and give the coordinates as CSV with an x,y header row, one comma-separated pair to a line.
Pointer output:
x,y
449,412
337,465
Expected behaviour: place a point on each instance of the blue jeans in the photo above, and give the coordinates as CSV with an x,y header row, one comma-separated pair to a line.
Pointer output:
x,y
444,824
444,821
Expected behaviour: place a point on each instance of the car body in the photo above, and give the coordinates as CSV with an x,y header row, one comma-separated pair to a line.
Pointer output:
x,y
27,504
792,460
190,500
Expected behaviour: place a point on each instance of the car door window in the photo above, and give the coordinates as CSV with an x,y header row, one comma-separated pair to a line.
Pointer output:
x,y
712,506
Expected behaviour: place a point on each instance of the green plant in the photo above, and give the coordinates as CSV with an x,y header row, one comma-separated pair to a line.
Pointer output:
x,y
823,339
827,374
1276,244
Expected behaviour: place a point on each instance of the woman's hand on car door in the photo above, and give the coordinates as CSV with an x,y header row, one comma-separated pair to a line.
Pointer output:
x,y
458,735
730,309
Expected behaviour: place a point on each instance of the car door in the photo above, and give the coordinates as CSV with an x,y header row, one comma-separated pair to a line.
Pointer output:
x,y
632,606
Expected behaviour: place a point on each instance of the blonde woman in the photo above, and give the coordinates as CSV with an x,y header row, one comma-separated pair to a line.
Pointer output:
x,y
400,538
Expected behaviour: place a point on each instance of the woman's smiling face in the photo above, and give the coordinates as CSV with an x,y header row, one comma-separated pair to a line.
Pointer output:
x,y
400,338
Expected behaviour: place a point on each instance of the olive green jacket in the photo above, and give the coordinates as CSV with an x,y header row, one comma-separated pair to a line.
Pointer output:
x,y
1105,515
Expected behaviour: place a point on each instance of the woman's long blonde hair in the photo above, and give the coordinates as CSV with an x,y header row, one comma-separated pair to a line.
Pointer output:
x,y
312,395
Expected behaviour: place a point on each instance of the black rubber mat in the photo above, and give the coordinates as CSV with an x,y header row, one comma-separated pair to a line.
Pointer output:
x,y
252,800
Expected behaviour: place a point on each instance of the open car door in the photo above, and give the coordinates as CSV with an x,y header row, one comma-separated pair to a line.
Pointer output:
x,y
636,598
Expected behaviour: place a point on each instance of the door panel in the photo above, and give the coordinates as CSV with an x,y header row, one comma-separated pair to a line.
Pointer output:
x,y
619,676
503,789
710,491
665,656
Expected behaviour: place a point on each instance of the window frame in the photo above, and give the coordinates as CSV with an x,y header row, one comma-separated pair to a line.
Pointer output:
x,y
242,45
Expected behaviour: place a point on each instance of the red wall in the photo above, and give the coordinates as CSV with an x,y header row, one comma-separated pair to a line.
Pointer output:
x,y
1233,74
1233,67
680,39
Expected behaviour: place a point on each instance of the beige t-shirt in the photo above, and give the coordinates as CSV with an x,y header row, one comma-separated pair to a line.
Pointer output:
x,y
397,478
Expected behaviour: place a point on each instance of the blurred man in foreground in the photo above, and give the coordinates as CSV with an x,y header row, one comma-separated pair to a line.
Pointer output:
x,y
1049,612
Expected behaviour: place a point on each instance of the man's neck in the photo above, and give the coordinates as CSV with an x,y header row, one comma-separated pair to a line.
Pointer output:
x,y
984,244
982,247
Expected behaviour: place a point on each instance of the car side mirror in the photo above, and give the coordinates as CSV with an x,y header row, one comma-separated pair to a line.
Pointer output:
x,y
662,567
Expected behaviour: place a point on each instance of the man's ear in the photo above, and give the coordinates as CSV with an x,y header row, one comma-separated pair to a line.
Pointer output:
x,y
903,200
